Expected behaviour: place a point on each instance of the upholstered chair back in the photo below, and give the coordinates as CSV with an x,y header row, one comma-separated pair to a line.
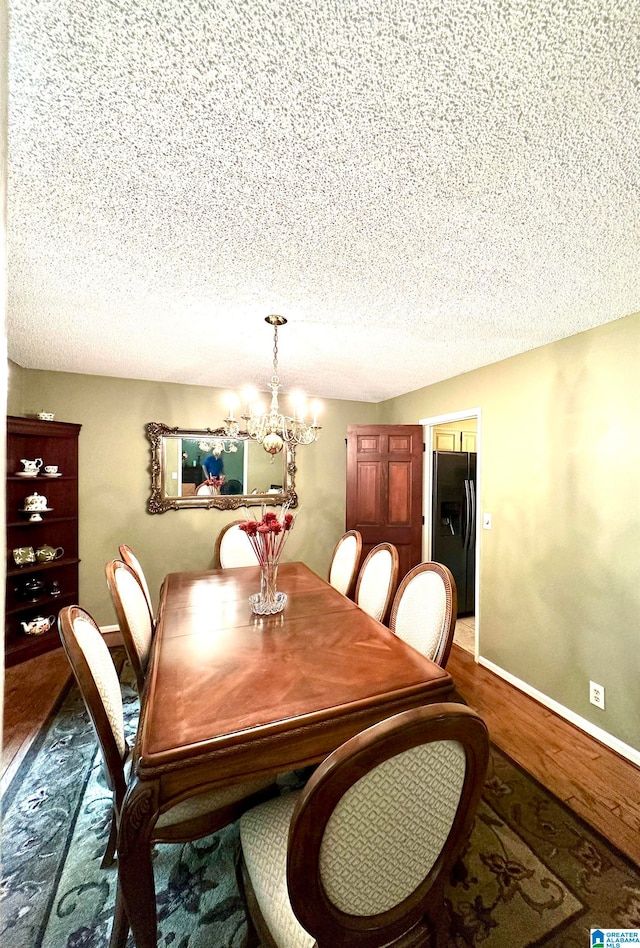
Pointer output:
x,y
377,580
233,548
424,611
128,556
99,686
345,561
133,614
361,855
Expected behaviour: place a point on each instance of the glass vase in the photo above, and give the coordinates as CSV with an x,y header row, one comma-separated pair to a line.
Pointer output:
x,y
268,601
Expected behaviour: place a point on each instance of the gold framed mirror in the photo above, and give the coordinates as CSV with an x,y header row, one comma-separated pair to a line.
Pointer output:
x,y
201,467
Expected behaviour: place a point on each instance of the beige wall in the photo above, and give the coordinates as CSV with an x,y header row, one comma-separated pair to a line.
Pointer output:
x,y
115,475
560,472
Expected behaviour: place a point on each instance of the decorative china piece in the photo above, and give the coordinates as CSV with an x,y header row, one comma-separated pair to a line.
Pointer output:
x,y
23,555
35,501
35,504
30,590
45,554
45,415
38,625
51,469
54,589
267,537
31,467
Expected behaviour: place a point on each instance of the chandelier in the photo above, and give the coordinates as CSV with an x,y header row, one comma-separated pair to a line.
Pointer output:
x,y
218,447
272,429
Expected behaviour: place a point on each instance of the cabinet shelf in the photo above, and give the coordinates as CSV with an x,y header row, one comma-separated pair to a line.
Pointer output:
x,y
56,442
42,602
36,567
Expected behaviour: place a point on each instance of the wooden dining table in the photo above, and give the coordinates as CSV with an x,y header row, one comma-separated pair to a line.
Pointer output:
x,y
231,696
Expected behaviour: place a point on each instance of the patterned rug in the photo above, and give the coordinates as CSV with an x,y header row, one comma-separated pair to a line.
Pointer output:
x,y
532,874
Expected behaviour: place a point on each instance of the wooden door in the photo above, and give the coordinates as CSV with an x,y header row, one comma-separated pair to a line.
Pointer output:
x,y
384,488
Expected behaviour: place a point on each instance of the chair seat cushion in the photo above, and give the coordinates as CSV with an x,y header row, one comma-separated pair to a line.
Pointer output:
x,y
205,803
264,833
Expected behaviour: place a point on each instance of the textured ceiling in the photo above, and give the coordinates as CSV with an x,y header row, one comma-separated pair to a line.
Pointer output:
x,y
420,187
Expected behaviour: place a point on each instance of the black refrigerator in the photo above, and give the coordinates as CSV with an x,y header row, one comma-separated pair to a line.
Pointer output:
x,y
453,540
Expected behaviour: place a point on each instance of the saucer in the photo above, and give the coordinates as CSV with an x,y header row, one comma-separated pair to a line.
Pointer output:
x,y
26,474
59,474
33,510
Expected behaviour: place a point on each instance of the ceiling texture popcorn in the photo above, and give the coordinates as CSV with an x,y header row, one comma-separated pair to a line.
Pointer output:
x,y
419,188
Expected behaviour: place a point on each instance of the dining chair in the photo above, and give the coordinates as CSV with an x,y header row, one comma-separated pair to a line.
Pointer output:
x,y
233,547
345,561
360,856
99,686
424,611
377,581
134,618
128,556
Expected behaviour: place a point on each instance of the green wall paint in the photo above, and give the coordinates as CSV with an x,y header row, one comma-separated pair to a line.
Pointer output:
x,y
560,463
115,475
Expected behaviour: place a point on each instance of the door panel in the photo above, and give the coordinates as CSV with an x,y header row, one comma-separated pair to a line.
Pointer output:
x,y
369,492
386,505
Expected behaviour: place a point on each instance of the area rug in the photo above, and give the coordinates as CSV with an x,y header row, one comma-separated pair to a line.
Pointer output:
x,y
532,873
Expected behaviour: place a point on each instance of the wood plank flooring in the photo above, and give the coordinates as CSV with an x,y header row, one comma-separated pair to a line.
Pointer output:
x,y
595,782
30,691
599,785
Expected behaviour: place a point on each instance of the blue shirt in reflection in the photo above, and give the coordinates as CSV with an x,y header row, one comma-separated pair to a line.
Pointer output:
x,y
213,466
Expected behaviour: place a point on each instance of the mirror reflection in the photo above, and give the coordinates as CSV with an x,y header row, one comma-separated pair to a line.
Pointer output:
x,y
206,469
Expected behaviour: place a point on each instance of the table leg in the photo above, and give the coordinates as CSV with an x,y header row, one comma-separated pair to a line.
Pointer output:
x,y
135,870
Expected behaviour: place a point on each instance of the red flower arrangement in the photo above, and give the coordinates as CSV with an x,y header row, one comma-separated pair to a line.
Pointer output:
x,y
267,536
216,482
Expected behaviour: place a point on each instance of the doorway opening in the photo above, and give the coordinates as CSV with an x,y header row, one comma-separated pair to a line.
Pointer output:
x,y
451,523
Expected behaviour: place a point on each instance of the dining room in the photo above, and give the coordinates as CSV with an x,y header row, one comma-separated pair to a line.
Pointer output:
x,y
440,203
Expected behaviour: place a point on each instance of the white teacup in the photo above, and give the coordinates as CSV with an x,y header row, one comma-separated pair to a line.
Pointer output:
x,y
51,469
31,467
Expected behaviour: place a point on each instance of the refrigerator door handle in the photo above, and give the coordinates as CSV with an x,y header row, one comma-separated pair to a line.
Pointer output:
x,y
472,518
467,511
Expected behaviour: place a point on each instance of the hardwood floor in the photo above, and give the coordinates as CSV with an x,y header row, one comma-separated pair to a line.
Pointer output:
x,y
30,691
599,785
595,782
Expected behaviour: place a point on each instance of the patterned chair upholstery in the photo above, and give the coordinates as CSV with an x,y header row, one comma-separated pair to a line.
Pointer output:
x,y
345,561
377,581
424,611
128,556
134,618
99,686
361,855
233,548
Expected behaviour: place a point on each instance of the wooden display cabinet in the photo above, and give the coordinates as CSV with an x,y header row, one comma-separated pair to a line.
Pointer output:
x,y
54,584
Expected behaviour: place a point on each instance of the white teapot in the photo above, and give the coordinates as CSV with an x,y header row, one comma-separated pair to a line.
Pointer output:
x,y
38,625
31,467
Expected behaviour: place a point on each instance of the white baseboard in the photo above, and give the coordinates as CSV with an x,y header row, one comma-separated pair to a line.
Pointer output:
x,y
625,750
109,628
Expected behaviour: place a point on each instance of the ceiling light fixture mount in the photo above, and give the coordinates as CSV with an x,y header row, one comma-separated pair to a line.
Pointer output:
x,y
273,429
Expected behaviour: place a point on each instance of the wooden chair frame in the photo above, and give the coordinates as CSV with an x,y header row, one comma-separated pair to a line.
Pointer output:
x,y
421,916
216,550
393,579
185,831
128,556
356,563
111,570
441,656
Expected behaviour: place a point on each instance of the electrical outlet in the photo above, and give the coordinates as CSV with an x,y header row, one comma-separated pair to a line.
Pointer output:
x,y
596,694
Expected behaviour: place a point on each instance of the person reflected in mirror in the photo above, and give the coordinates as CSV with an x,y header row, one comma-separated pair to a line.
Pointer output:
x,y
212,466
